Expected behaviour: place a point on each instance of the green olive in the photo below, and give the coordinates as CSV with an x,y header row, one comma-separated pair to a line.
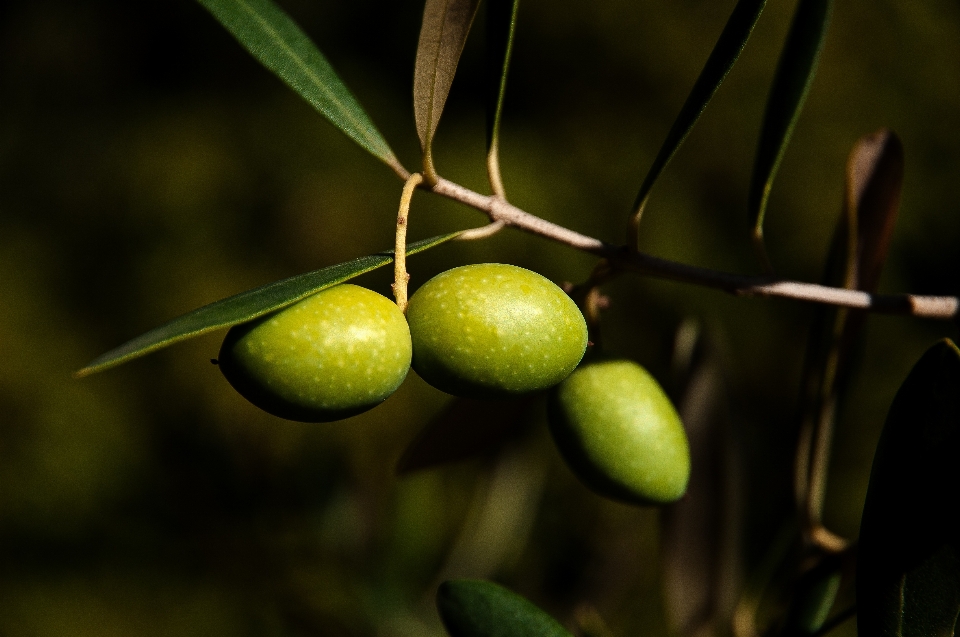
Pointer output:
x,y
493,330
335,354
620,433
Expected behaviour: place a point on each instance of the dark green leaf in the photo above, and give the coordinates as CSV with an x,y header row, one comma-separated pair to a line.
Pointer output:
x,y
501,25
908,569
248,305
725,53
813,597
273,38
446,24
465,428
794,76
476,608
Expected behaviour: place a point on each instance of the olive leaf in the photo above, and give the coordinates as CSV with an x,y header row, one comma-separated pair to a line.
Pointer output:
x,y
874,176
478,608
813,596
443,34
700,533
269,34
732,40
465,428
794,76
861,241
248,305
501,26
874,182
908,568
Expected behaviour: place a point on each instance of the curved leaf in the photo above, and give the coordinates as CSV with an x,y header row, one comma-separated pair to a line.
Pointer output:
x,y
794,76
443,33
908,570
725,53
248,305
501,26
477,608
273,38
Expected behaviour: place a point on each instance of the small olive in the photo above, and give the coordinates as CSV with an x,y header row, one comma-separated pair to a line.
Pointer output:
x,y
619,433
334,354
492,330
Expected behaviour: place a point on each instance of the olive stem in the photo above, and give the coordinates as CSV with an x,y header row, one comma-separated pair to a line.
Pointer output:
x,y
482,232
400,276
935,307
493,171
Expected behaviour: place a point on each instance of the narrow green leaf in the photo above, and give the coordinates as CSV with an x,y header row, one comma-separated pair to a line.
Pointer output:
x,y
477,608
273,38
248,305
908,567
725,53
443,33
794,76
501,26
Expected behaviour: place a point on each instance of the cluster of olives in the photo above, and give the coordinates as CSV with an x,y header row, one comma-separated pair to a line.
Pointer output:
x,y
479,331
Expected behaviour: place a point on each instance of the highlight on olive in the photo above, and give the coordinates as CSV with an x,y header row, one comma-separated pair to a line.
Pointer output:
x,y
335,354
619,432
494,330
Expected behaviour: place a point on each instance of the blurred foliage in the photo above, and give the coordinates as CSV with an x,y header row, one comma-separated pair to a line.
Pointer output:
x,y
148,166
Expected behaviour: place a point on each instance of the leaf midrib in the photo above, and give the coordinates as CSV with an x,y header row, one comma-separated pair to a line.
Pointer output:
x,y
271,32
431,103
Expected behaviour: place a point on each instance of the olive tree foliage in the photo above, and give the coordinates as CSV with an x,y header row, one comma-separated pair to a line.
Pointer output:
x,y
906,565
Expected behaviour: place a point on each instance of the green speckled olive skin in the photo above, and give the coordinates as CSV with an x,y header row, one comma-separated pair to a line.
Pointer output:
x,y
619,432
493,330
335,354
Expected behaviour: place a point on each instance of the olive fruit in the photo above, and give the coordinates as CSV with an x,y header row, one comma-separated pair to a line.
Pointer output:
x,y
334,354
619,433
493,330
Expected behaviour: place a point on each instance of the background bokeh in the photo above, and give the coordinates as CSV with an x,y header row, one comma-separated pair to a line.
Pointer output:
x,y
148,166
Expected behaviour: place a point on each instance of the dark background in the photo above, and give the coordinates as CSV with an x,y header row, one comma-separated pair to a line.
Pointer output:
x,y
148,166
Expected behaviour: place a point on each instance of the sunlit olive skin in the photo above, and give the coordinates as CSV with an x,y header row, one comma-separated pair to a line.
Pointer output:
x,y
335,354
493,330
619,433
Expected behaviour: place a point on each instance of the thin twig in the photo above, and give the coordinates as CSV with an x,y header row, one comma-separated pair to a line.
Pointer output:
x,y
936,307
400,276
482,232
